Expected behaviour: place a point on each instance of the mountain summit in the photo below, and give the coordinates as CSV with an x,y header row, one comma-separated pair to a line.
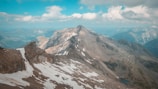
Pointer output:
x,y
77,58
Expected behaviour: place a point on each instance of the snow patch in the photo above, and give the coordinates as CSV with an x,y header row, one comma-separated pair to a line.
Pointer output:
x,y
88,60
86,85
22,51
100,81
76,62
90,74
66,53
52,70
68,68
49,85
83,49
69,35
83,54
79,40
76,46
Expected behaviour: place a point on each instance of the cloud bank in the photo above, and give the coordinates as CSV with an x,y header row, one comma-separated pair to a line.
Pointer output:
x,y
118,12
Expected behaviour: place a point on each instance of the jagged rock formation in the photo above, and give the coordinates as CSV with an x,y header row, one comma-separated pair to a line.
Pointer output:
x,y
37,55
76,58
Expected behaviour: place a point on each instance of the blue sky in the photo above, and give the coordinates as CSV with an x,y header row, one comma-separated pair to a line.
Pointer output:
x,y
69,13
36,7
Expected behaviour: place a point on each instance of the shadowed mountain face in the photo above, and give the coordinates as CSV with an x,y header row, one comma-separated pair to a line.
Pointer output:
x,y
147,38
76,58
141,36
152,46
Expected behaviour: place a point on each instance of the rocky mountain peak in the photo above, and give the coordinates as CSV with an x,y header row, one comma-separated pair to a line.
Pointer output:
x,y
80,38
62,39
80,27
76,58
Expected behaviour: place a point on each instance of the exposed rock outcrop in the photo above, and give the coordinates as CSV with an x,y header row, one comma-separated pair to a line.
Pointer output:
x,y
37,55
11,61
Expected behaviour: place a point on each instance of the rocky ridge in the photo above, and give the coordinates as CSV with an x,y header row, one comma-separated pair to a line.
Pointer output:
x,y
76,58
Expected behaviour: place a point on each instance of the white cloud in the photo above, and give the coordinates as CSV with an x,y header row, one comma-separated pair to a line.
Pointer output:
x,y
114,13
3,14
128,3
86,16
53,12
153,12
128,13
139,10
24,18
27,18
131,3
77,15
15,17
89,16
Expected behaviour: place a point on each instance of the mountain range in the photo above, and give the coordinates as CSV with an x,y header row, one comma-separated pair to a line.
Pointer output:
x,y
146,37
77,58
141,36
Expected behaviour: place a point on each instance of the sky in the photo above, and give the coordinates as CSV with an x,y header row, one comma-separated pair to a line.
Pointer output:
x,y
70,13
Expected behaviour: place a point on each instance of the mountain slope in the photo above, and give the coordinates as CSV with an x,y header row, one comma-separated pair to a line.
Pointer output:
x,y
152,46
76,58
141,36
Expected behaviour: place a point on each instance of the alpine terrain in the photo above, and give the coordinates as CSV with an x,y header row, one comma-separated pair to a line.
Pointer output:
x,y
146,37
141,36
76,58
152,46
